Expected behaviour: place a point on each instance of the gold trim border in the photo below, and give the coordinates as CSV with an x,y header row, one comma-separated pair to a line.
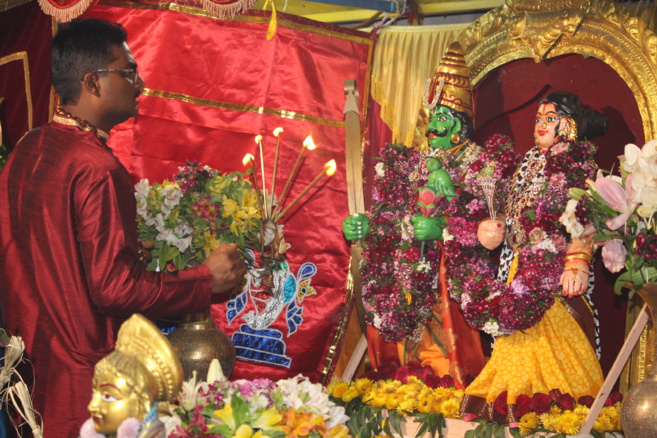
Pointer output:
x,y
243,108
22,56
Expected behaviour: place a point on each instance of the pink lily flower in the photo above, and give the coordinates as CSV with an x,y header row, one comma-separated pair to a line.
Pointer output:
x,y
617,197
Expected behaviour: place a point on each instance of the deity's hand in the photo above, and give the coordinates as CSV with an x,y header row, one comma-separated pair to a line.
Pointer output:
x,y
227,266
356,226
575,278
441,183
491,232
428,228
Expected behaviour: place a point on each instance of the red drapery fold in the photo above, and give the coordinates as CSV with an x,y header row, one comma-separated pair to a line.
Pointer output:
x,y
212,86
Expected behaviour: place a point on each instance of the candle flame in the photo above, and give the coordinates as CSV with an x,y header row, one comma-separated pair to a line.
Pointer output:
x,y
247,158
330,168
258,138
309,144
278,131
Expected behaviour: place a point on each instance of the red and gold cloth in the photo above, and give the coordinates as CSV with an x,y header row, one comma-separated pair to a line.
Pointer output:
x,y
212,86
69,266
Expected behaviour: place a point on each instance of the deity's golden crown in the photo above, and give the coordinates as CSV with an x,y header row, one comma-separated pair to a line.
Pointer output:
x,y
142,339
456,92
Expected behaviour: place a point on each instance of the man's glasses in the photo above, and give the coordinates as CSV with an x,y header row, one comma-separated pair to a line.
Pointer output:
x,y
132,74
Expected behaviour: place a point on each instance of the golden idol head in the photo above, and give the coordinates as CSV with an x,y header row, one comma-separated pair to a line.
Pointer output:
x,y
122,388
141,370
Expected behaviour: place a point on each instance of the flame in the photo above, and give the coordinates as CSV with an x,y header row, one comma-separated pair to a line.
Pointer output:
x,y
308,143
247,158
330,168
258,138
278,131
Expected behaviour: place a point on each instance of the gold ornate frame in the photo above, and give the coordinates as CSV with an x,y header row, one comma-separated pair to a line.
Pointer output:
x,y
601,29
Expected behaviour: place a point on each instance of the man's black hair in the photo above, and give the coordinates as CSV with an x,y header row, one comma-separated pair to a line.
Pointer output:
x,y
80,47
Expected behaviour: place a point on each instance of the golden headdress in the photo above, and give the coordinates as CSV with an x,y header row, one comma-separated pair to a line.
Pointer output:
x,y
140,338
456,92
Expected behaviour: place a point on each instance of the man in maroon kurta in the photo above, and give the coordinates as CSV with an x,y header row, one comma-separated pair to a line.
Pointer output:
x,y
70,268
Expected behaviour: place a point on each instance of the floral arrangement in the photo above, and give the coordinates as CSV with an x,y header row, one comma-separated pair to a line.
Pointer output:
x,y
619,212
398,284
192,214
418,395
258,408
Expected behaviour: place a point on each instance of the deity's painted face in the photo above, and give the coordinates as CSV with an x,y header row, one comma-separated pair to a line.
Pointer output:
x,y
112,402
546,128
442,125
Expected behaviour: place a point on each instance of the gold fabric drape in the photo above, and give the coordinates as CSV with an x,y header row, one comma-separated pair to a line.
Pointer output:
x,y
405,57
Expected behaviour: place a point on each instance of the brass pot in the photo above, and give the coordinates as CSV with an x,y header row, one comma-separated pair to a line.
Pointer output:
x,y
197,341
639,408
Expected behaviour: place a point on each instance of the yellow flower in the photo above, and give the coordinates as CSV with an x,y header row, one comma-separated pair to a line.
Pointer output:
x,y
268,419
225,414
550,421
363,385
528,422
350,394
339,389
569,423
211,242
408,405
393,400
245,431
339,431
450,408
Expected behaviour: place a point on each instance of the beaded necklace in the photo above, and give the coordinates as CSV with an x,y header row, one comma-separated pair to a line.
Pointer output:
x,y
66,118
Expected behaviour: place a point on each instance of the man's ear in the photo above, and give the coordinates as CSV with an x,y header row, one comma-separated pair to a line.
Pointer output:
x,y
90,84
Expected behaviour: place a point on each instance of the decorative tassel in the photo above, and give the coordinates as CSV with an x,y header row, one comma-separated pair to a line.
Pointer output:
x,y
18,393
271,30
24,407
13,355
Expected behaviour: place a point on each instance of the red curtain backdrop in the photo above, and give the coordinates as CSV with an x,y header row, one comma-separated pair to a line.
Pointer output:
x,y
213,85
24,29
506,101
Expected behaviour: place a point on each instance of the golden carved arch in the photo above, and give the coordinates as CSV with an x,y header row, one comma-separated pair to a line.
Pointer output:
x,y
541,30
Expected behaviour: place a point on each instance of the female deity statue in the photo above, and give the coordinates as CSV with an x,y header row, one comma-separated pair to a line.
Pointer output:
x,y
536,305
405,295
127,383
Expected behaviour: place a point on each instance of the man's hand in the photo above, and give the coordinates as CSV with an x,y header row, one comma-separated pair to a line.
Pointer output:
x,y
227,266
356,226
427,228
575,278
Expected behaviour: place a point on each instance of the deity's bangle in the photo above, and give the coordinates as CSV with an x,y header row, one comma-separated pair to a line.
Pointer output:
x,y
578,255
588,262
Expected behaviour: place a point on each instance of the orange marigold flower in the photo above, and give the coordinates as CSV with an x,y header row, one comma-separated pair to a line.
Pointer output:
x,y
299,424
